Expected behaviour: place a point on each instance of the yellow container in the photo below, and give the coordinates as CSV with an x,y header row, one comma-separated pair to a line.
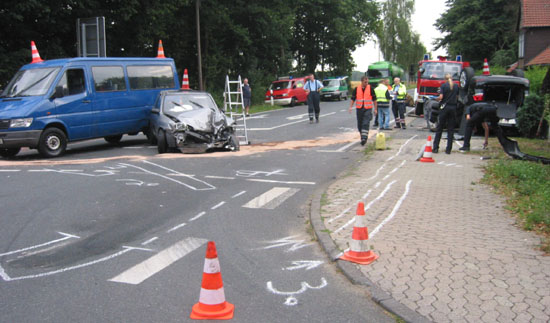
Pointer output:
x,y
380,143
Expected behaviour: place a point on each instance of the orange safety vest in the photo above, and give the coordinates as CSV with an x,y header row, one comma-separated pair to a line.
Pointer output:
x,y
363,99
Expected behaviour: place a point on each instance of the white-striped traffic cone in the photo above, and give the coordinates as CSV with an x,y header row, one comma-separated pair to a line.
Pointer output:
x,y
212,304
359,252
486,68
35,56
160,51
427,158
185,81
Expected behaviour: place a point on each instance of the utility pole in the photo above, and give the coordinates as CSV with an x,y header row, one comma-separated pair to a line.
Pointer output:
x,y
197,6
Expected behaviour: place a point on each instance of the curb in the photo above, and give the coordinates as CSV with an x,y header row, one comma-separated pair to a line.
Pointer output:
x,y
351,271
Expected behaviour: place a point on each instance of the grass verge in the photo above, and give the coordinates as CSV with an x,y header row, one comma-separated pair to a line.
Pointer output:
x,y
526,185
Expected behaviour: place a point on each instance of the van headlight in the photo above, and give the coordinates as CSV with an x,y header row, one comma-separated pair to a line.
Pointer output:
x,y
20,123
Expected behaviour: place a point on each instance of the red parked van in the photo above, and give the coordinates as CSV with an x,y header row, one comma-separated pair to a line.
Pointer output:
x,y
287,91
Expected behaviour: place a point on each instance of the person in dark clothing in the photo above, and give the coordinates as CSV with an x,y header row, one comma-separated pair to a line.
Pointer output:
x,y
365,102
477,114
312,88
448,96
247,96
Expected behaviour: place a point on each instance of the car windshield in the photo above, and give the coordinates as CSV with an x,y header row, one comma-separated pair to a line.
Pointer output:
x,y
280,85
175,104
437,70
331,83
31,82
378,73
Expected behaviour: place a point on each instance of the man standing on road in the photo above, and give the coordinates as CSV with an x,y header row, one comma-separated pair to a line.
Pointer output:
x,y
247,96
312,88
383,107
447,116
365,100
398,103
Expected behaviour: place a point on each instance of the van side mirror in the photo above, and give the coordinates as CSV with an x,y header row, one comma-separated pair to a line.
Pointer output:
x,y
421,70
58,93
155,111
294,86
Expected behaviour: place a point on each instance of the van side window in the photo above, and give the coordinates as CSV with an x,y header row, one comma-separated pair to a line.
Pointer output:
x,y
150,77
108,78
72,82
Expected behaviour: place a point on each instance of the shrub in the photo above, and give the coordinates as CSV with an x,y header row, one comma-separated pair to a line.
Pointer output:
x,y
535,75
528,116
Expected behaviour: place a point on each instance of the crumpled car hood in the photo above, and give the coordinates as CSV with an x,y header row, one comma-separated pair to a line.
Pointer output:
x,y
204,120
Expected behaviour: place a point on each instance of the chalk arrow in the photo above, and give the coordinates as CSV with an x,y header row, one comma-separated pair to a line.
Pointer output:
x,y
306,264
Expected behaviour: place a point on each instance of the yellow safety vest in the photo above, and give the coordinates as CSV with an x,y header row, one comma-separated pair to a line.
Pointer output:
x,y
402,92
380,92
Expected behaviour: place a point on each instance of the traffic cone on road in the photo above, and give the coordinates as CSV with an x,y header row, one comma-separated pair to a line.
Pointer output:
x,y
212,304
486,68
160,51
185,81
359,252
35,56
427,158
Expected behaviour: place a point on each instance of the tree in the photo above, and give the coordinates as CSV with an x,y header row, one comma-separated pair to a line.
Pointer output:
x,y
477,29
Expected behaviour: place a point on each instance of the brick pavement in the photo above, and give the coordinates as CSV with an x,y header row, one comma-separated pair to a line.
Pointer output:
x,y
451,252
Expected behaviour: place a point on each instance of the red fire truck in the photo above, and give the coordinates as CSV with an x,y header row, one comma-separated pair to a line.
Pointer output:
x,y
431,74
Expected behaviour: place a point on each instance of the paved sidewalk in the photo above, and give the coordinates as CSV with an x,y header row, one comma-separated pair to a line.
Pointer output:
x,y
449,250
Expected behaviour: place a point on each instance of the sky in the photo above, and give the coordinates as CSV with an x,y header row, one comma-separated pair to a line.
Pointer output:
x,y
425,14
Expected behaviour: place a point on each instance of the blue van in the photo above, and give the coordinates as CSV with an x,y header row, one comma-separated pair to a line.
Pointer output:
x,y
50,103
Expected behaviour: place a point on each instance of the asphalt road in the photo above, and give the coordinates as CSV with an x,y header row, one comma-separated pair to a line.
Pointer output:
x,y
117,233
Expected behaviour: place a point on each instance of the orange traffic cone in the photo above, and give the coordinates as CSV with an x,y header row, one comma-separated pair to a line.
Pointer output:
x,y
212,304
358,252
160,51
35,56
185,81
427,157
486,68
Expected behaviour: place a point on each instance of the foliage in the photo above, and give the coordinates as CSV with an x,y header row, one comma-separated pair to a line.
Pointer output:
x,y
494,69
536,74
479,29
397,42
528,116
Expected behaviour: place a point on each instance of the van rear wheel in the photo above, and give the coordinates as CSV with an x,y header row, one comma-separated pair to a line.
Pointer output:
x,y
52,143
113,139
9,152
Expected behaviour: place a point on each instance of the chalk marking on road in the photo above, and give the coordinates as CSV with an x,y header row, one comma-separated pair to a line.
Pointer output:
x,y
280,182
197,216
135,182
149,241
373,176
272,198
238,194
219,177
298,116
339,150
340,215
366,194
292,300
102,172
147,268
65,237
177,227
123,251
394,211
304,264
394,170
401,148
9,170
171,179
176,173
217,205
253,173
287,124
294,243
388,186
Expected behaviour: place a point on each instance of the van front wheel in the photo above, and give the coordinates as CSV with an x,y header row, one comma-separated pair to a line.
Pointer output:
x,y
53,143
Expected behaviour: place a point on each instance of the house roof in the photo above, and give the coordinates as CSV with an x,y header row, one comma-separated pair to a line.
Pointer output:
x,y
543,58
535,13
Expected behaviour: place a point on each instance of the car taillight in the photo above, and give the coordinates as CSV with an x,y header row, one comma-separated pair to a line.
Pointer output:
x,y
478,97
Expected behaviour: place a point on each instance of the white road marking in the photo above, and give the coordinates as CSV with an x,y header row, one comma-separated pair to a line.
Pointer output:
x,y
375,174
197,216
394,211
294,243
217,205
401,148
208,186
65,237
149,241
177,227
280,182
340,215
291,300
339,150
305,264
394,170
158,262
238,194
287,124
272,198
10,170
219,177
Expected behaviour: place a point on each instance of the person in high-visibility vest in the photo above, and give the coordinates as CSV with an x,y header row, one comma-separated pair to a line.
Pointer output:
x,y
398,103
364,99
383,98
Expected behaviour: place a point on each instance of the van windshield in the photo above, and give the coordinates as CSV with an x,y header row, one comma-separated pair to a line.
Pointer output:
x,y
279,85
32,82
331,83
437,70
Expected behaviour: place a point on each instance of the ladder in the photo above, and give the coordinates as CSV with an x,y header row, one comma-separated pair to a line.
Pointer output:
x,y
232,101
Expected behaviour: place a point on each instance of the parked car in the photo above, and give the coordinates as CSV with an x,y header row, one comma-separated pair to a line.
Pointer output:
x,y
50,103
191,122
287,91
335,88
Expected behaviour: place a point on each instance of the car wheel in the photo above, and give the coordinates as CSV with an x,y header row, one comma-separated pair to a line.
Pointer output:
x,y
9,152
419,109
151,138
52,143
113,139
293,102
162,144
518,72
465,78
